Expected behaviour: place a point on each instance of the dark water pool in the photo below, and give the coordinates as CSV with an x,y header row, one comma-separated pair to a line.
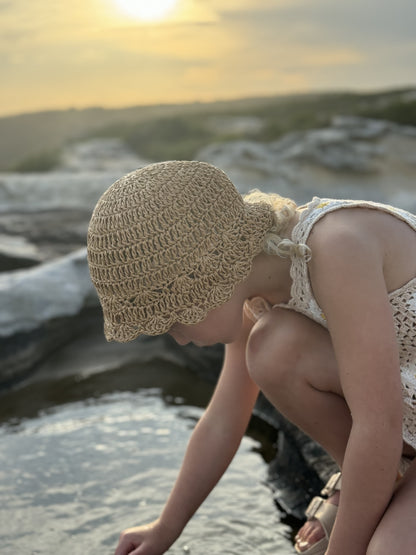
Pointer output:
x,y
81,459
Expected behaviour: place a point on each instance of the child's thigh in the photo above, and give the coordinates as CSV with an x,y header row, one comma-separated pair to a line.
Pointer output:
x,y
285,345
396,532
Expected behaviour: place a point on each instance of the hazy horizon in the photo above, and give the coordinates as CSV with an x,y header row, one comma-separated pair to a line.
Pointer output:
x,y
230,100
111,54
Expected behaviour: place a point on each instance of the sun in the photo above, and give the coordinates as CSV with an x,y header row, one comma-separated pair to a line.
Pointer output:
x,y
146,10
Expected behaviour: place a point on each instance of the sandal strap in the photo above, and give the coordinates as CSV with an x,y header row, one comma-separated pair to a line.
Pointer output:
x,y
333,485
326,516
313,507
323,511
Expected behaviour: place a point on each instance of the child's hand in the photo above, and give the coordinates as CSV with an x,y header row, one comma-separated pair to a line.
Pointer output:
x,y
151,539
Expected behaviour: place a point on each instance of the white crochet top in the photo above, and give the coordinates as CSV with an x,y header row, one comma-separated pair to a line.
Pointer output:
x,y
402,300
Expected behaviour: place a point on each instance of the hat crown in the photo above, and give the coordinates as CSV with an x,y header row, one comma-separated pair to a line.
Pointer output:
x,y
168,243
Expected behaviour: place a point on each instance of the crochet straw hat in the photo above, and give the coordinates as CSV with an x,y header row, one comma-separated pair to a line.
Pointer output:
x,y
168,243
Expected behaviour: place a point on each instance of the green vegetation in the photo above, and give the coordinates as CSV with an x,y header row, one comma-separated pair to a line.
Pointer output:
x,y
42,162
177,137
32,142
400,112
183,135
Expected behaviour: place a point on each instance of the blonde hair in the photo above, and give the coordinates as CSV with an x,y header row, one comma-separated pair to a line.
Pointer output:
x,y
284,209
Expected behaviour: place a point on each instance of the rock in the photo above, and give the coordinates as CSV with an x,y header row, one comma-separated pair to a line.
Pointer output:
x,y
332,149
17,252
22,352
353,158
88,354
87,170
46,215
51,233
236,125
42,308
362,128
249,164
27,193
30,298
300,466
100,155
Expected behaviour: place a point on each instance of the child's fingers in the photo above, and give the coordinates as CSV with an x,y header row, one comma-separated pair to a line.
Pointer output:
x,y
128,544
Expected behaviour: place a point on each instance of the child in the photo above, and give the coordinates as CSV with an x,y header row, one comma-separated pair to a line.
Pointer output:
x,y
317,308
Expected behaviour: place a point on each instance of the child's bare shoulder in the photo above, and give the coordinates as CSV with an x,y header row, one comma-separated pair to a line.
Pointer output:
x,y
346,230
355,238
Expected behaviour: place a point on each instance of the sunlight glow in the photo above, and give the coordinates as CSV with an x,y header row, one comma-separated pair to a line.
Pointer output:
x,y
146,10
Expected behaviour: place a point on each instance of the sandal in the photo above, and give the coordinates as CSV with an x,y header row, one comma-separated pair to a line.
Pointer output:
x,y
325,512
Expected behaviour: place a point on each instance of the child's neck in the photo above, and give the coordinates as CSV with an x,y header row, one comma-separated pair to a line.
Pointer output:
x,y
270,278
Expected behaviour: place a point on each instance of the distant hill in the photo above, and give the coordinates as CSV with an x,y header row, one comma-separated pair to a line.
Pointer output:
x,y
32,142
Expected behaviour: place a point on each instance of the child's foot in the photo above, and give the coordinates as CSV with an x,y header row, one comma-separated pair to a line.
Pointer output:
x,y
312,531
313,537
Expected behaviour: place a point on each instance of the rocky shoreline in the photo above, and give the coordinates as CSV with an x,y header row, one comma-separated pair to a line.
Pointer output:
x,y
48,303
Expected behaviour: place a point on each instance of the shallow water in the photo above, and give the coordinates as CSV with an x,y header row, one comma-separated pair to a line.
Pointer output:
x,y
77,468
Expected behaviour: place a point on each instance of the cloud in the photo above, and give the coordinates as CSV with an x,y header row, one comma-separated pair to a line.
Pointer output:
x,y
303,36
350,21
84,52
6,5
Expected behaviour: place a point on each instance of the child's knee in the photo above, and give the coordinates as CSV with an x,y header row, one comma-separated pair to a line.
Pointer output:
x,y
274,349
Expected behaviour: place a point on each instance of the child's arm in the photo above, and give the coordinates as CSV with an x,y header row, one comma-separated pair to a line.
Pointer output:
x,y
348,281
211,448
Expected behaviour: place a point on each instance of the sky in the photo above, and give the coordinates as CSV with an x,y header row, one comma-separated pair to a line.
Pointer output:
x,y
82,53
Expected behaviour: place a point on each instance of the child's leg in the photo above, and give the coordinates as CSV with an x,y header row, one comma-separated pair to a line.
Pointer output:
x,y
396,532
291,358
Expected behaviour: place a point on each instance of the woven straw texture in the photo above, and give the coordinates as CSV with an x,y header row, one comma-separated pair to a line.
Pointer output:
x,y
168,243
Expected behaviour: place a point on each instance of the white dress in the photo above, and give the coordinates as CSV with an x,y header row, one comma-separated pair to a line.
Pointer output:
x,y
402,300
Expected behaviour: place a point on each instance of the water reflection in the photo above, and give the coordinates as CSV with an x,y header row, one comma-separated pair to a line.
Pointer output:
x,y
82,459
